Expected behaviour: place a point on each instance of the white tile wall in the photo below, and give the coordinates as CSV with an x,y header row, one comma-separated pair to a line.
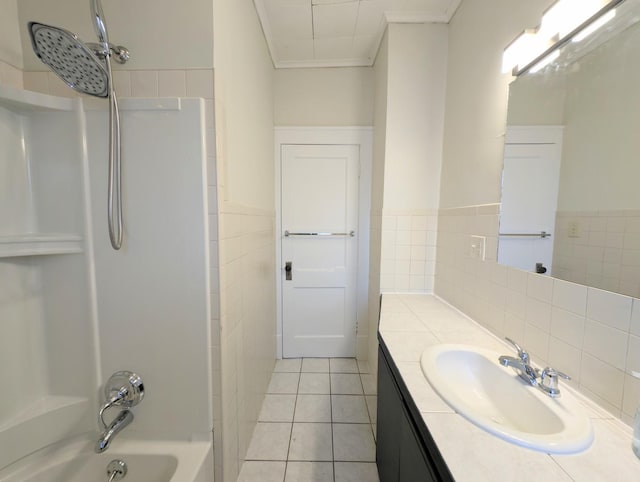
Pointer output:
x,y
375,270
591,334
601,248
408,245
247,314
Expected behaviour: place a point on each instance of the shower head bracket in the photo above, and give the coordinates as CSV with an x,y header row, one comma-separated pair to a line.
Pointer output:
x,y
117,52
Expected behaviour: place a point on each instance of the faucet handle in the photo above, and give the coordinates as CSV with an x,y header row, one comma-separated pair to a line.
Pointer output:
x,y
522,353
123,389
549,381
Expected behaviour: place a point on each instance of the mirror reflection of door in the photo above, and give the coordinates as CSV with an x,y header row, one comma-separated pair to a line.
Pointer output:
x,y
319,249
591,89
530,182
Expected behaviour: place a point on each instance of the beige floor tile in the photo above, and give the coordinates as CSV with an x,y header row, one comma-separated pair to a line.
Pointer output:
x,y
346,384
363,366
343,365
349,409
277,408
314,383
290,365
313,408
372,407
356,472
284,383
311,442
270,441
368,384
262,472
353,443
315,365
309,472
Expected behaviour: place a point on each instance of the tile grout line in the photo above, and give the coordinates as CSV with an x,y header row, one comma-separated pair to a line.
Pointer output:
x,y
333,449
366,405
293,418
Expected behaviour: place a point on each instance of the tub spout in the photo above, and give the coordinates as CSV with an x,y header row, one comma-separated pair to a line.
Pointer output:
x,y
123,419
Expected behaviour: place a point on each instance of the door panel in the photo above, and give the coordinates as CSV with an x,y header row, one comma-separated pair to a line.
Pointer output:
x,y
319,210
530,180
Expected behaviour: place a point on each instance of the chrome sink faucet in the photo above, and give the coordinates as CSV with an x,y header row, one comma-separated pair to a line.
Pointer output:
x,y
548,382
521,364
123,389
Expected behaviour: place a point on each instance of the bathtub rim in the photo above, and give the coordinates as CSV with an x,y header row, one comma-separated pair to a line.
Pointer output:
x,y
193,457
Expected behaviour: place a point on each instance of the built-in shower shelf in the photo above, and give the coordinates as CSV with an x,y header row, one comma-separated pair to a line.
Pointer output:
x,y
18,100
39,244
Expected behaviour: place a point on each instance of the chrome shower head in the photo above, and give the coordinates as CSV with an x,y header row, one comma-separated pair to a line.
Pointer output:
x,y
70,59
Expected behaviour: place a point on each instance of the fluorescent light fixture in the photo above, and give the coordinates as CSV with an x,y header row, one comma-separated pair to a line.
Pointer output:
x,y
544,62
562,21
567,15
523,50
607,17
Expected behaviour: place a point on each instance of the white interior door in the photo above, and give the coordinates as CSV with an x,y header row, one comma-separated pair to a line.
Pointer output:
x,y
320,216
530,182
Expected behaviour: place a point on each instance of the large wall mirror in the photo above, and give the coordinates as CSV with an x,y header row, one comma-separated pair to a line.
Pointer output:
x,y
571,179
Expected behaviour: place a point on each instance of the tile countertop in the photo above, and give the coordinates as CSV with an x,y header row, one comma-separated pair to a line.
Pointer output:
x,y
408,324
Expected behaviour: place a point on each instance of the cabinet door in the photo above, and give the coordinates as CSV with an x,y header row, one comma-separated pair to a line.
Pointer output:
x,y
413,465
390,413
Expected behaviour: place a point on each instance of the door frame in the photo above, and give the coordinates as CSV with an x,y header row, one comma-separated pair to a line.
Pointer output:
x,y
363,138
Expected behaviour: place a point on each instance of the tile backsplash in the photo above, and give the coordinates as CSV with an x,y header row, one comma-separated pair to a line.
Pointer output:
x,y
601,249
591,334
408,251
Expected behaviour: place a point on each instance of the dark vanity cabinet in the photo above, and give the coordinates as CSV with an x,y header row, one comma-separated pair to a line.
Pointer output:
x,y
405,451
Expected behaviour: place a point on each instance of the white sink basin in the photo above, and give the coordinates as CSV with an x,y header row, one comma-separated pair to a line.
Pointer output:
x,y
495,399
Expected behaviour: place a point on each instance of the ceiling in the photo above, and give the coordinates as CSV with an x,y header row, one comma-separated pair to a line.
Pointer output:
x,y
338,33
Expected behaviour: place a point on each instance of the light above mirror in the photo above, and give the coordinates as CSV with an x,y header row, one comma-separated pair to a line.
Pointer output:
x,y
564,21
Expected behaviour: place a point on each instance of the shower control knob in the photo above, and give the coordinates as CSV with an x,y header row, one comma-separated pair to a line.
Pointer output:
x,y
124,389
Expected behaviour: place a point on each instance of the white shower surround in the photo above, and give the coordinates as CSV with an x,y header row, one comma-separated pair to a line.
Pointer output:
x,y
147,310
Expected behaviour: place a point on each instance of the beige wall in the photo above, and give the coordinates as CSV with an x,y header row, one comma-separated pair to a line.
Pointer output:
x,y
160,34
477,96
246,175
10,46
324,97
410,77
415,112
381,72
416,82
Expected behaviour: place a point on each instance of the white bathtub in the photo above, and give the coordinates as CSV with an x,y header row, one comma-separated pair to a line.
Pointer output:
x,y
147,461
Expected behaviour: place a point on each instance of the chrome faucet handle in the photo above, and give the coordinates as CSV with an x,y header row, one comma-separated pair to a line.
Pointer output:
x,y
549,381
522,353
123,389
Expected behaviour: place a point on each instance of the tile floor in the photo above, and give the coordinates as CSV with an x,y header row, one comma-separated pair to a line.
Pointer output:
x,y
317,424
